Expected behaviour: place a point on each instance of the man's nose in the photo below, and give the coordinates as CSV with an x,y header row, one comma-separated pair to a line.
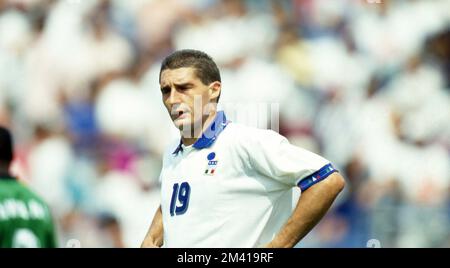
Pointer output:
x,y
174,96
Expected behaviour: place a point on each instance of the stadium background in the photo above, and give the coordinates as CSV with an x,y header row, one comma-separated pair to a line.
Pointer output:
x,y
365,84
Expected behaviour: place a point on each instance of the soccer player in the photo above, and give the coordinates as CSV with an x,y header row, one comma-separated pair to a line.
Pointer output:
x,y
25,220
228,185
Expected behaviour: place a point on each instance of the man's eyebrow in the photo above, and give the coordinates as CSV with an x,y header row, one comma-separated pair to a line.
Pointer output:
x,y
184,84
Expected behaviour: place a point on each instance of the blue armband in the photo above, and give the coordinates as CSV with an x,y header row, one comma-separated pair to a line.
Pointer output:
x,y
317,176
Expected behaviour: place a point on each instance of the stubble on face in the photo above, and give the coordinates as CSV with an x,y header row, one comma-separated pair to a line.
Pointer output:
x,y
187,100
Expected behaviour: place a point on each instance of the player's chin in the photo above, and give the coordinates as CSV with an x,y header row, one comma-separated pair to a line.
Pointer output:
x,y
183,123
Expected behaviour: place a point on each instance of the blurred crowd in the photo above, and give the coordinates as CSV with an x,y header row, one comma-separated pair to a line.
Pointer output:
x,y
365,84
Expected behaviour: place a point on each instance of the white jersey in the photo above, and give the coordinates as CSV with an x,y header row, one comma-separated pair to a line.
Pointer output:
x,y
233,187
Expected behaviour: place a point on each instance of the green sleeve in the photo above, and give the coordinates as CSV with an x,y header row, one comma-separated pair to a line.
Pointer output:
x,y
51,234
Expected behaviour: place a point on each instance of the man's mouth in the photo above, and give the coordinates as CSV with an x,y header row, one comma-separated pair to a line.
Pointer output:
x,y
180,115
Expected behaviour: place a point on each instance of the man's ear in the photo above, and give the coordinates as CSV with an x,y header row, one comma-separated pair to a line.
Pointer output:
x,y
214,90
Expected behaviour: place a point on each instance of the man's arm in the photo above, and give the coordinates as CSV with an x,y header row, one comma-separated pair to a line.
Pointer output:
x,y
311,207
154,237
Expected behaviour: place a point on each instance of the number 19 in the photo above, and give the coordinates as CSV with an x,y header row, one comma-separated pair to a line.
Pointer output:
x,y
180,192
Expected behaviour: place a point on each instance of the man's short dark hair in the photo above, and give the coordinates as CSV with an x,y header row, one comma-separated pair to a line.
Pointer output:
x,y
6,146
205,67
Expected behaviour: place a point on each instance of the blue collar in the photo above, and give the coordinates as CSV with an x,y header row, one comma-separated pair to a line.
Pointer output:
x,y
210,135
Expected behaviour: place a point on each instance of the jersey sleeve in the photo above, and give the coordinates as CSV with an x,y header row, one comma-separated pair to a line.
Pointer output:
x,y
271,154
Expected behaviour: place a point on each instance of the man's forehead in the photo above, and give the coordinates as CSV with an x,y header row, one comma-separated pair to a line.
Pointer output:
x,y
179,75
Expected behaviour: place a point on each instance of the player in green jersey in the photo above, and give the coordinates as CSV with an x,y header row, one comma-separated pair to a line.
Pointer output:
x,y
25,219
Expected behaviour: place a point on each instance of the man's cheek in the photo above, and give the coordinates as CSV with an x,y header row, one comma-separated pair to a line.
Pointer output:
x,y
169,110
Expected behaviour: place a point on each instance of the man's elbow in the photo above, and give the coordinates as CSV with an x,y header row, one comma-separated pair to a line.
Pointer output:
x,y
336,181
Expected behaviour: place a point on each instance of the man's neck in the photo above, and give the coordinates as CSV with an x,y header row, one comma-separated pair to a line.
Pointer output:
x,y
196,136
